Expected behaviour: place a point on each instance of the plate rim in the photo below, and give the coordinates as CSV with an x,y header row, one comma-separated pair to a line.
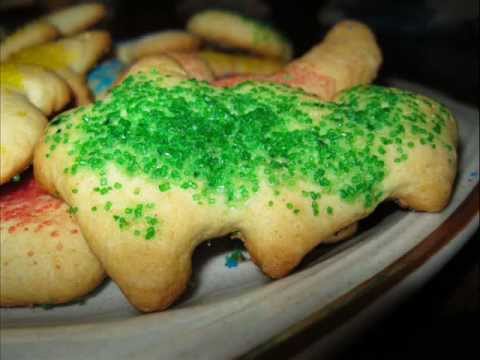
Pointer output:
x,y
338,312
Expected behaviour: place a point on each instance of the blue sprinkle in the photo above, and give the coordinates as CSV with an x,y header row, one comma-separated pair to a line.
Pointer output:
x,y
231,263
234,258
104,76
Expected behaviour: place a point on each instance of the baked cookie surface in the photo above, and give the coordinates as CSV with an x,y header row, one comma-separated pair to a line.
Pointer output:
x,y
21,126
67,21
164,163
44,259
70,58
157,43
76,18
29,35
28,94
43,88
349,55
224,64
235,31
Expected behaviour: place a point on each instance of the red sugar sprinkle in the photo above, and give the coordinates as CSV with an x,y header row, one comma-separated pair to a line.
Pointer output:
x,y
297,74
26,203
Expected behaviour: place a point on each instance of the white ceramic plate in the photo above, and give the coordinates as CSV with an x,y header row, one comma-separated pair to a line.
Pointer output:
x,y
232,312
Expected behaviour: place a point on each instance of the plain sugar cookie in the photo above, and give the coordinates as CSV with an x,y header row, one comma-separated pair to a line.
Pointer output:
x,y
235,31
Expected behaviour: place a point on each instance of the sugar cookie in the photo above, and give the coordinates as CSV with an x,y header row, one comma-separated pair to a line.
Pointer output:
x,y
232,30
21,125
31,34
164,162
348,56
157,43
76,18
28,94
44,258
70,58
67,21
43,88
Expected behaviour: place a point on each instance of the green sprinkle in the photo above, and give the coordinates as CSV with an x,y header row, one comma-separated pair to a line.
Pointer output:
x,y
138,211
329,210
218,143
164,187
150,233
16,178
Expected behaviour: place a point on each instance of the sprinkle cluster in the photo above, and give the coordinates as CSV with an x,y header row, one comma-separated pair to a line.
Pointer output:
x,y
228,143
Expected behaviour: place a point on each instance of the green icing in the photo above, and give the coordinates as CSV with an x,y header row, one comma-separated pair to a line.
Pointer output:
x,y
224,143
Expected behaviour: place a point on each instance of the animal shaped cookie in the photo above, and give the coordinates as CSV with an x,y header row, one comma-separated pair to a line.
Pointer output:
x,y
235,31
348,55
70,58
165,162
44,258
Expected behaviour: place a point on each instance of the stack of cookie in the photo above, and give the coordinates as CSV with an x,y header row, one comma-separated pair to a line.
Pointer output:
x,y
227,43
231,48
176,154
44,258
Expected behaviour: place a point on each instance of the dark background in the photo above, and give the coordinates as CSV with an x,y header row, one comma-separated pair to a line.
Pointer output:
x,y
431,42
